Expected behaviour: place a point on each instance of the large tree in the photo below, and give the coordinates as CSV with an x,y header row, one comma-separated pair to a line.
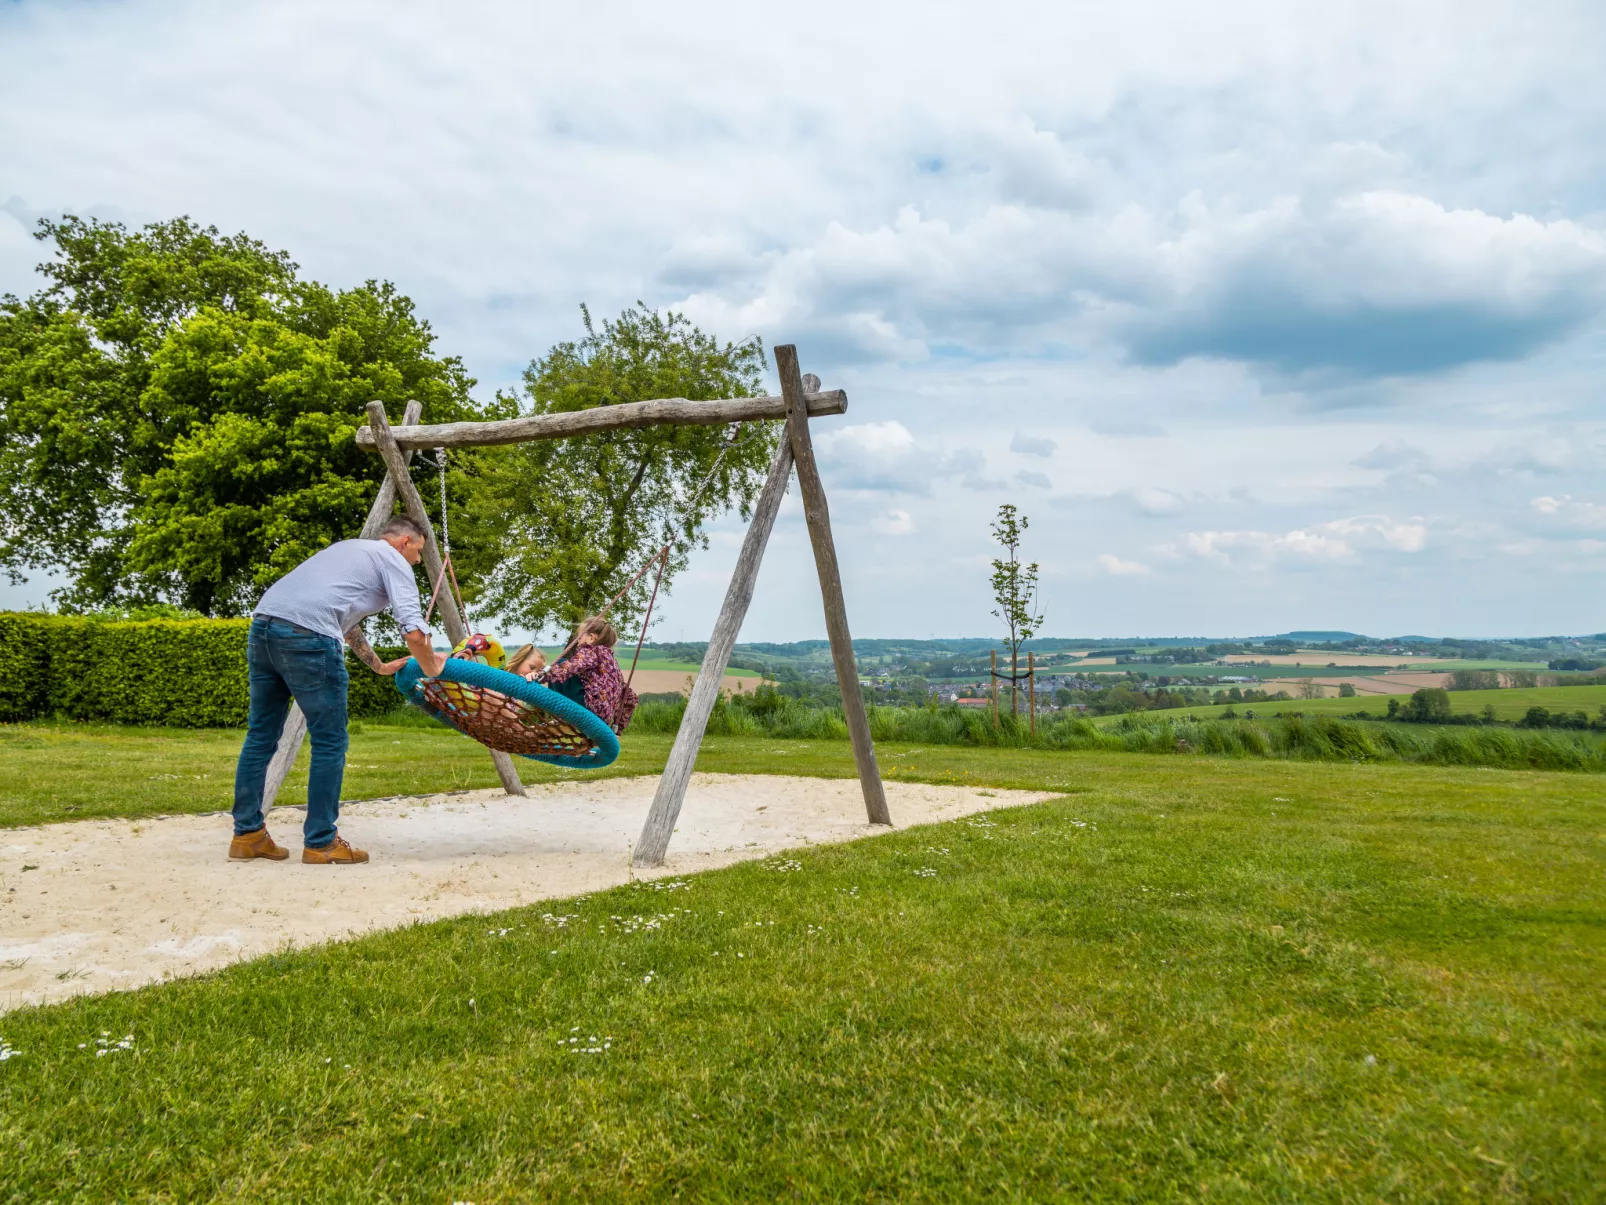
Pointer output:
x,y
576,517
177,410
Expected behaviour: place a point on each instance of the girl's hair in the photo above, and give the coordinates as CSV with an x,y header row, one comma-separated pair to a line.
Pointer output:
x,y
525,653
599,627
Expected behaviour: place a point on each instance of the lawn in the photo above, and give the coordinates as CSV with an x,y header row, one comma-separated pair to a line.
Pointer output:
x,y
1184,978
1508,704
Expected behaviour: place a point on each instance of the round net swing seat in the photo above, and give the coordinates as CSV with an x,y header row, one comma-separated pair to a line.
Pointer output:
x,y
504,711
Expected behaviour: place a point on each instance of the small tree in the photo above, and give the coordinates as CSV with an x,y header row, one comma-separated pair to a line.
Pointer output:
x,y
1015,592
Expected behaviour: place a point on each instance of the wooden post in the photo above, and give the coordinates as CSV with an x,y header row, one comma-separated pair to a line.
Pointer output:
x,y
836,611
992,681
451,618
1031,688
671,793
295,724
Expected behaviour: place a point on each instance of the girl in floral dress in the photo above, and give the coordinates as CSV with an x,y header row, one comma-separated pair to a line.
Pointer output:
x,y
589,674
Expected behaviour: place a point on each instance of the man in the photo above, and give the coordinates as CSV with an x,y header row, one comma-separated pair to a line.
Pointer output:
x,y
294,652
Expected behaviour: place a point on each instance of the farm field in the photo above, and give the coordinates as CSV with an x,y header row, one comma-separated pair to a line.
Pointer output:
x,y
1309,665
1181,979
1510,704
665,665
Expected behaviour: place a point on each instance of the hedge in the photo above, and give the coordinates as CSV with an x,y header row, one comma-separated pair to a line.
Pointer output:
x,y
186,673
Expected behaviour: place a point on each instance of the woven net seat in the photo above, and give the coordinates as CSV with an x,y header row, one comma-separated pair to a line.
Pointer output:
x,y
504,711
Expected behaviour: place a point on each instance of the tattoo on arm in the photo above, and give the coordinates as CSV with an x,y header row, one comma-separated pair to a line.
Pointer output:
x,y
365,651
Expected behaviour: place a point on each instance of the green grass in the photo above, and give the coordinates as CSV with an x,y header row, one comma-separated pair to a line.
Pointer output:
x,y
51,772
1184,979
1508,704
62,771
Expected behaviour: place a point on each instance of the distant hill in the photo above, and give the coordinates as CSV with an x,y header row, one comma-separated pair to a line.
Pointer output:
x,y
1323,637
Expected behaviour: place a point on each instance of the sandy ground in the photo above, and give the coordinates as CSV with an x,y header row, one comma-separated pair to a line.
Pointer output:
x,y
111,904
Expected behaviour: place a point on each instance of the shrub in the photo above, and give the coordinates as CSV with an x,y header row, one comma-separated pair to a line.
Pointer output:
x,y
187,673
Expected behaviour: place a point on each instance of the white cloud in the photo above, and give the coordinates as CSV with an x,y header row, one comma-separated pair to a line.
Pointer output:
x,y
1036,480
1153,500
892,523
1572,514
885,457
1032,445
1116,567
1374,284
1336,540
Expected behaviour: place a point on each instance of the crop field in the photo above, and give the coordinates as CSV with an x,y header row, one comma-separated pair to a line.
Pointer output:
x,y
1510,704
1181,979
665,664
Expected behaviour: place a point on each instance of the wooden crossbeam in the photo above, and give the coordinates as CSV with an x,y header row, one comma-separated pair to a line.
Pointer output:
x,y
660,412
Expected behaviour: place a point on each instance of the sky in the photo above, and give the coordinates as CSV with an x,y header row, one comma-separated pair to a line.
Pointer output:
x,y
1267,315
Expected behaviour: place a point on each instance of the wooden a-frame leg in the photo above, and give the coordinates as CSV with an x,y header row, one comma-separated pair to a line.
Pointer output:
x,y
836,611
451,618
671,793
295,724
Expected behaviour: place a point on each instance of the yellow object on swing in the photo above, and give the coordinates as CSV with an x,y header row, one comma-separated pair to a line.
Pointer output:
x,y
482,650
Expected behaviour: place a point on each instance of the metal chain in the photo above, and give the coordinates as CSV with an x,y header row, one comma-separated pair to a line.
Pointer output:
x,y
446,527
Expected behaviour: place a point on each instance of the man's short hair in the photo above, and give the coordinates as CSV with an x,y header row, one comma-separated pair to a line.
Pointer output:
x,y
403,525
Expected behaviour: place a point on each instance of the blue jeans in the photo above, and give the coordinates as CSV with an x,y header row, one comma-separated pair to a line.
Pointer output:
x,y
286,661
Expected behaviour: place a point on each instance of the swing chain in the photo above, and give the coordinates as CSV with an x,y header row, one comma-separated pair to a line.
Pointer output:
x,y
448,570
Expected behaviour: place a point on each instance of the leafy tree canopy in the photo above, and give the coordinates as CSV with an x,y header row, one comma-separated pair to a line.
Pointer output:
x,y
177,410
575,518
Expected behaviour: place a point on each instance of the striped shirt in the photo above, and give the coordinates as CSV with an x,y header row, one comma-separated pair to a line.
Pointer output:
x,y
333,591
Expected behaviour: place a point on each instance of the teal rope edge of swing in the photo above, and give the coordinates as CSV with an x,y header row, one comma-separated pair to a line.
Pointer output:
x,y
605,744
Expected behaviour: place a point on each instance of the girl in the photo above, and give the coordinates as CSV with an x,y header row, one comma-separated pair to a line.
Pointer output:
x,y
588,674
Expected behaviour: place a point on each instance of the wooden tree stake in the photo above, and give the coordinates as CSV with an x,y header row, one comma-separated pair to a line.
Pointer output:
x,y
295,724
818,515
451,619
671,793
1031,688
993,682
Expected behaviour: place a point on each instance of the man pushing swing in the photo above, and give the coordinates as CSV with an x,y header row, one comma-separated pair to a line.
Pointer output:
x,y
294,652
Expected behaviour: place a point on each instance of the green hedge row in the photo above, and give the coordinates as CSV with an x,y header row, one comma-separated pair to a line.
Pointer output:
x,y
186,673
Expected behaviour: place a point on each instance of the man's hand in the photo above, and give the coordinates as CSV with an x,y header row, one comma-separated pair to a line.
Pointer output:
x,y
424,653
390,667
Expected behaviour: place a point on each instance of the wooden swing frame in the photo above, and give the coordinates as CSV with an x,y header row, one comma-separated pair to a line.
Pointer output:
x,y
798,402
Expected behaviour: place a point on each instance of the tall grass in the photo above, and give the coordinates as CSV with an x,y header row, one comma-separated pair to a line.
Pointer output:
x,y
1308,738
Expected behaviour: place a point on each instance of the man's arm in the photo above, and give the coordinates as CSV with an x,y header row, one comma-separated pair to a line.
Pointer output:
x,y
359,645
424,653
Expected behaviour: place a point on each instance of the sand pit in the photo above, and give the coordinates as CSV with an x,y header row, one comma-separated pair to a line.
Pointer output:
x,y
115,904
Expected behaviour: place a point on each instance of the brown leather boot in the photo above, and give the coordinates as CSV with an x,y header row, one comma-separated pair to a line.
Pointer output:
x,y
257,845
337,853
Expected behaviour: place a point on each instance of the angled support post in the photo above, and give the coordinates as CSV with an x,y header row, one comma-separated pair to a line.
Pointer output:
x,y
451,619
671,793
295,724
836,611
